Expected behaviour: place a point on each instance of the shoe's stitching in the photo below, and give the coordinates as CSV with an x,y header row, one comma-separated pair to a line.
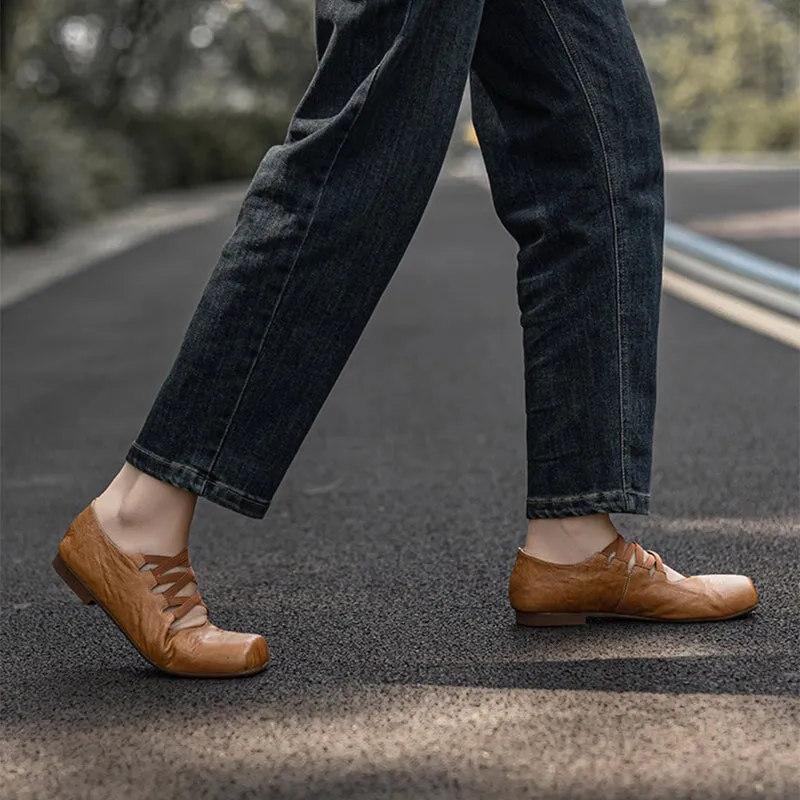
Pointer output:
x,y
624,593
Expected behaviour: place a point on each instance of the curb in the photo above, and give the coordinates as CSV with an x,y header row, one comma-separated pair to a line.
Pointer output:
x,y
30,268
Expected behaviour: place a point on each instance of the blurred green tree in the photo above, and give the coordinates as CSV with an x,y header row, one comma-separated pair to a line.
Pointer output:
x,y
153,53
725,72
103,100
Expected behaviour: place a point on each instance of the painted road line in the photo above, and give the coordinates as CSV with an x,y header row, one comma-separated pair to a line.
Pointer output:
x,y
772,223
784,302
742,312
731,258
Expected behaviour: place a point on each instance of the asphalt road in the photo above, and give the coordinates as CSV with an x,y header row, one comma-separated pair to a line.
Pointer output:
x,y
379,576
758,210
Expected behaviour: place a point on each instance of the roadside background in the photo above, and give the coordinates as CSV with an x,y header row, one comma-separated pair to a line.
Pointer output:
x,y
104,102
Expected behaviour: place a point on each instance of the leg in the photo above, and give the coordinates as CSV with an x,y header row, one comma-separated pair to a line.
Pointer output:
x,y
569,130
321,231
568,127
324,224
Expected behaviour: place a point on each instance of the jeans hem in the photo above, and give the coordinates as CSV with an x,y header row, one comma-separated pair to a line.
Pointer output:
x,y
195,481
609,502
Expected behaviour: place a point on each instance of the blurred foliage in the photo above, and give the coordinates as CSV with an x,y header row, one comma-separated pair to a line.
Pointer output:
x,y
725,72
105,99
55,172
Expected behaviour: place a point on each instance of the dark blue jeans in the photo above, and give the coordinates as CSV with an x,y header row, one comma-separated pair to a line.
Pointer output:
x,y
569,132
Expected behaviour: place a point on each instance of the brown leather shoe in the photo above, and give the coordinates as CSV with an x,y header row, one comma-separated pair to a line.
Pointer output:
x,y
99,572
624,580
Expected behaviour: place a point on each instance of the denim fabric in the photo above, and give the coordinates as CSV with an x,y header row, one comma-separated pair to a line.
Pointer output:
x,y
569,132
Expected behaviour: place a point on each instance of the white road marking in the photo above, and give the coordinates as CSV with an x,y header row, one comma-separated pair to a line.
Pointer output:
x,y
748,315
784,302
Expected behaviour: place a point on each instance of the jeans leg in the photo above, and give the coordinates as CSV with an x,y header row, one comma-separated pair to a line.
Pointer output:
x,y
569,131
322,228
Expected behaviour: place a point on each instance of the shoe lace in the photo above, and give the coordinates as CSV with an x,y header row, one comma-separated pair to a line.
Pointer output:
x,y
635,554
178,573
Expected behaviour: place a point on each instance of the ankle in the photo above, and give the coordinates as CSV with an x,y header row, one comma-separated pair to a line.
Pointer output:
x,y
141,513
568,540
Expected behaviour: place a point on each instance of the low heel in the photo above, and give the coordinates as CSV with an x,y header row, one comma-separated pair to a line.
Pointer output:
x,y
546,620
72,581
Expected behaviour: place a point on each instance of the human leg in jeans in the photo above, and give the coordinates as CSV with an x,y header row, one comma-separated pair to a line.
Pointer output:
x,y
569,131
566,120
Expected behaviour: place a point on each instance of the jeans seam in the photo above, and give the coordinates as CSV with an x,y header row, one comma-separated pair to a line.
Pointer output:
x,y
299,252
615,230
586,496
207,479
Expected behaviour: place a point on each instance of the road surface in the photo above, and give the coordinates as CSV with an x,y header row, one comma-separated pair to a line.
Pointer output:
x,y
755,209
379,575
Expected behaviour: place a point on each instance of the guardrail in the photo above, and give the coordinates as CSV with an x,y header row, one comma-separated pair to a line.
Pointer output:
x,y
731,258
732,269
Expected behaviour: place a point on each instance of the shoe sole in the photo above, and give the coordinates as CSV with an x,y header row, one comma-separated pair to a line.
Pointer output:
x,y
553,619
88,599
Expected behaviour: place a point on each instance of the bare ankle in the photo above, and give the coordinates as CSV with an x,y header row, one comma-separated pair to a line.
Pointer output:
x,y
140,512
568,540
